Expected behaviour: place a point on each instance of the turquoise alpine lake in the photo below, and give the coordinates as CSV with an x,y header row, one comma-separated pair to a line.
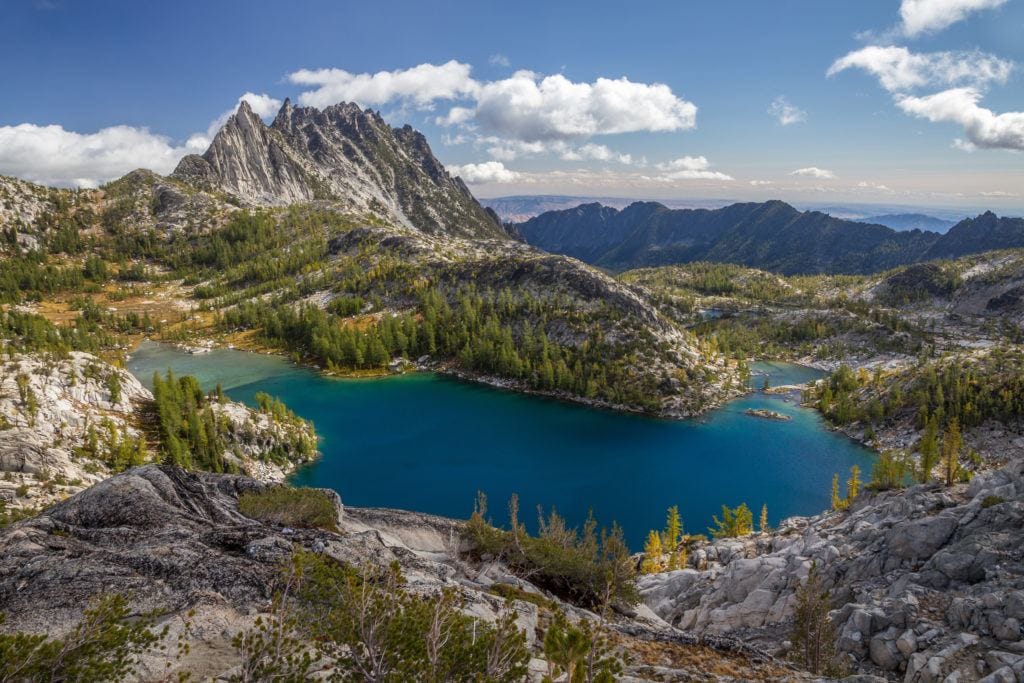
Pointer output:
x,y
428,443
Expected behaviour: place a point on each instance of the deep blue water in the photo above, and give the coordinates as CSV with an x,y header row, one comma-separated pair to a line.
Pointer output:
x,y
429,443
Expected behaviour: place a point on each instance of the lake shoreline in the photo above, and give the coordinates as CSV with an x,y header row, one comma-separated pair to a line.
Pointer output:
x,y
428,441
447,369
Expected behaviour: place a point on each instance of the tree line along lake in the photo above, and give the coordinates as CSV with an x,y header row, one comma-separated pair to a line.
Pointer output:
x,y
428,443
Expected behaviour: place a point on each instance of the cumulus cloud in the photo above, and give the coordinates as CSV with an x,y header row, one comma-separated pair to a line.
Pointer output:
x,y
877,187
454,140
785,112
484,172
529,107
965,75
421,85
509,150
595,152
55,156
498,60
690,168
982,127
897,68
525,106
814,172
456,116
927,16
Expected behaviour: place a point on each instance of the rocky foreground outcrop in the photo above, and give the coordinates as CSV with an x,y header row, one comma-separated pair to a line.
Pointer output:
x,y
69,422
927,584
174,541
50,409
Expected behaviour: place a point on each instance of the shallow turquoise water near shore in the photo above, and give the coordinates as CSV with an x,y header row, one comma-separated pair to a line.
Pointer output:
x,y
429,443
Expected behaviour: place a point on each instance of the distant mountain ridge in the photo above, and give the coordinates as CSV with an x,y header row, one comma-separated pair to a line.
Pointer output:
x,y
342,154
770,235
909,221
520,208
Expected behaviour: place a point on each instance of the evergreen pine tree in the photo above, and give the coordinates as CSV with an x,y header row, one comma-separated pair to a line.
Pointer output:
x,y
929,449
673,534
837,502
652,554
813,634
952,444
853,485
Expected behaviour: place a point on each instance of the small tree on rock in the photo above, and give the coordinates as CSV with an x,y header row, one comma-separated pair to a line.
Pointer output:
x,y
673,535
734,522
652,554
952,444
813,637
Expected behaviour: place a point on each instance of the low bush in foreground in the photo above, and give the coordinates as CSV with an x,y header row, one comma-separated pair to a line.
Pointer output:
x,y
300,508
365,626
582,567
104,646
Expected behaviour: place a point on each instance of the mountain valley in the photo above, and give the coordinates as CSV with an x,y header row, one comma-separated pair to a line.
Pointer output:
x,y
343,244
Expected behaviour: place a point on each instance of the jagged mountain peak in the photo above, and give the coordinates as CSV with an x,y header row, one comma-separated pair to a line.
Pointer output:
x,y
343,154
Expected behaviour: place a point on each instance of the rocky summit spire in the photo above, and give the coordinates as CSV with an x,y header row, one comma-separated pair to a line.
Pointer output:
x,y
344,155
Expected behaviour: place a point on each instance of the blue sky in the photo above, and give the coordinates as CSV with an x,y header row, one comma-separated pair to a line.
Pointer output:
x,y
934,115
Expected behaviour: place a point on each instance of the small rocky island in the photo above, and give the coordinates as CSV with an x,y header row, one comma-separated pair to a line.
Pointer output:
x,y
766,414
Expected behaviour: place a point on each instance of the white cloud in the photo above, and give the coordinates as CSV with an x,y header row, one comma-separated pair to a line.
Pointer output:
x,y
686,163
421,85
897,68
484,172
785,112
983,127
525,106
498,60
510,150
761,183
456,116
814,172
55,156
927,16
998,193
690,168
878,187
595,152
529,107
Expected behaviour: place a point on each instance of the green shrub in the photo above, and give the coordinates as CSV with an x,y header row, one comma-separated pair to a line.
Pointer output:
x,y
734,522
581,652
580,566
891,470
990,500
366,626
104,646
814,635
301,508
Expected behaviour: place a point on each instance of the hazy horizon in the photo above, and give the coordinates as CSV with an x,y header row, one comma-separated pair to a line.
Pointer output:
x,y
916,103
